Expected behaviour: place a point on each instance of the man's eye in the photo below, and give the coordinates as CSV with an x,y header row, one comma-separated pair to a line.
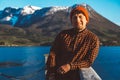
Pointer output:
x,y
80,16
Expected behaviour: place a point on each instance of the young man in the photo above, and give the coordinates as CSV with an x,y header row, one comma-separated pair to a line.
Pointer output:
x,y
73,49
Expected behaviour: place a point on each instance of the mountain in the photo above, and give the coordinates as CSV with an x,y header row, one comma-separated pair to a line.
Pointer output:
x,y
11,16
26,15
38,26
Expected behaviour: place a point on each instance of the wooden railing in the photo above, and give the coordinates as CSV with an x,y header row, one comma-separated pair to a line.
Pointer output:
x,y
85,73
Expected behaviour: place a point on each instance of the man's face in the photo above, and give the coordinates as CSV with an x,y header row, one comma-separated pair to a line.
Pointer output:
x,y
79,21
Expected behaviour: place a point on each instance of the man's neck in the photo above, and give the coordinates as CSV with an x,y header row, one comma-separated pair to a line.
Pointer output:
x,y
80,30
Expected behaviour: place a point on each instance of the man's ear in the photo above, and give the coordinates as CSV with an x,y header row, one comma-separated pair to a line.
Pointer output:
x,y
86,20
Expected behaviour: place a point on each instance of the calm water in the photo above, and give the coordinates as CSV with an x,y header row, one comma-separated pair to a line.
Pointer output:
x,y
107,64
27,63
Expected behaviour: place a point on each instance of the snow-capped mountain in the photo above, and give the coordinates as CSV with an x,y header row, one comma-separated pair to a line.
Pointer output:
x,y
52,10
29,10
28,15
24,15
49,21
12,15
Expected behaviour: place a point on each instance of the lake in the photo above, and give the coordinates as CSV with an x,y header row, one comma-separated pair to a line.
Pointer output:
x,y
27,63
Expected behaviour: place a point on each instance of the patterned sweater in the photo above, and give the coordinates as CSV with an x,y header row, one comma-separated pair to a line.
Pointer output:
x,y
79,49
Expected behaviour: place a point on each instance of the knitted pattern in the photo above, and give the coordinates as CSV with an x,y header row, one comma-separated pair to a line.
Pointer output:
x,y
79,49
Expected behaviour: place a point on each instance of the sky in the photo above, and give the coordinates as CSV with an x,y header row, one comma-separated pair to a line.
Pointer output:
x,y
107,8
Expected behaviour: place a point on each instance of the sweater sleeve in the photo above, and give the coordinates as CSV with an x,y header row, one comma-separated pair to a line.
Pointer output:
x,y
89,58
50,64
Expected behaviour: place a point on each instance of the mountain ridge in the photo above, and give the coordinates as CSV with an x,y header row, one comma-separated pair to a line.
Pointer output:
x,y
41,27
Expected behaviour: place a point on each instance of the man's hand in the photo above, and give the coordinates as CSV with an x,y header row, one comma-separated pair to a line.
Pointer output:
x,y
64,69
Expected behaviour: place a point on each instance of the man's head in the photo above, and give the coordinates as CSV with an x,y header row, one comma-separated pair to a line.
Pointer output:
x,y
79,17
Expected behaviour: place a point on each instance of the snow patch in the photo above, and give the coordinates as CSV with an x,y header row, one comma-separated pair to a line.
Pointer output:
x,y
7,18
29,10
55,9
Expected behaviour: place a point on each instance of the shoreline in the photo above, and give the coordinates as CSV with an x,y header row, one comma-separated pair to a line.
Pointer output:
x,y
49,45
